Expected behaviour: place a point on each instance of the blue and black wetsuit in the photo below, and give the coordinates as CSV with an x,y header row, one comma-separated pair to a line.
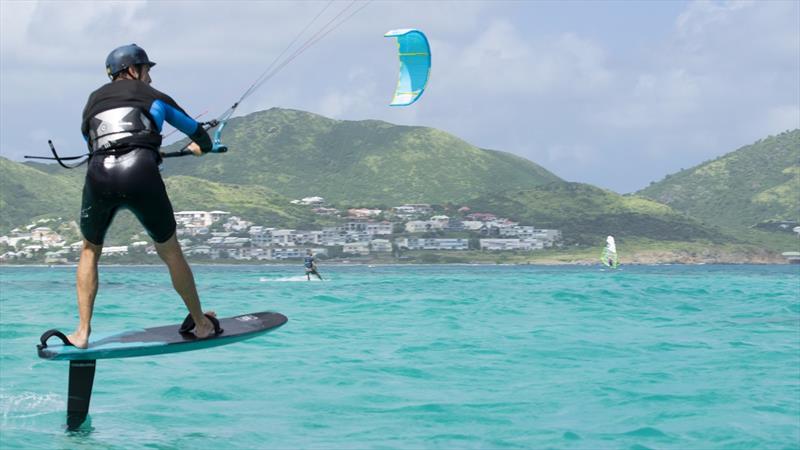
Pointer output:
x,y
308,261
122,124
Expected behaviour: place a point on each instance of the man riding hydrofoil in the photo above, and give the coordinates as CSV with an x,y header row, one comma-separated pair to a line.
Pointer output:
x,y
122,124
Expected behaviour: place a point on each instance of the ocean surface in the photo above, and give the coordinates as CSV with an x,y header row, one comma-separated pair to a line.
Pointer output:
x,y
682,357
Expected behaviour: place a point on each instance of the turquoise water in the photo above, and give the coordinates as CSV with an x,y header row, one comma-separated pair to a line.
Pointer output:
x,y
424,357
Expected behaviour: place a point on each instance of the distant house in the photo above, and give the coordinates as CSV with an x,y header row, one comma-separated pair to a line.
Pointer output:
x,y
433,244
198,218
236,224
333,236
286,252
322,211
503,244
439,222
199,250
411,210
483,217
117,250
218,215
380,245
355,225
363,212
380,228
418,226
261,236
356,248
471,225
283,237
312,201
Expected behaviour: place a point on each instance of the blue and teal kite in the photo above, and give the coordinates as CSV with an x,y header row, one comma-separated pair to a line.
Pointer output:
x,y
415,65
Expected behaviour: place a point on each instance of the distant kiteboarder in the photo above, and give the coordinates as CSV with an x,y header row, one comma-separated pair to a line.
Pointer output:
x,y
310,263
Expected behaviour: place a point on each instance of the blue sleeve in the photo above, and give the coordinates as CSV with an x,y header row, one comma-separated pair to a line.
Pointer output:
x,y
162,111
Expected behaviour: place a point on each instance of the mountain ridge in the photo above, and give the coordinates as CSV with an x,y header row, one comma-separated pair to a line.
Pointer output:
x,y
303,154
280,154
756,183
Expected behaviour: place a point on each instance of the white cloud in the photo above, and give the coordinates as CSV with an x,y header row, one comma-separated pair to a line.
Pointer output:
x,y
503,60
586,102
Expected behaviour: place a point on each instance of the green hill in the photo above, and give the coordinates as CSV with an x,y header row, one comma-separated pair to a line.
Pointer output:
x,y
754,185
281,154
586,214
254,203
369,162
27,193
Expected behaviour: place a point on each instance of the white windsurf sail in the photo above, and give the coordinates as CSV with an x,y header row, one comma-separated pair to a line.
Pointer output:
x,y
609,257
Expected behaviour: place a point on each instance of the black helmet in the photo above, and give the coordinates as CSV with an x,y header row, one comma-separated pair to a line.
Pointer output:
x,y
123,57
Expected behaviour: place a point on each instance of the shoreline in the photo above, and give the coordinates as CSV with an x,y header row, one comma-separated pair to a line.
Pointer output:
x,y
401,264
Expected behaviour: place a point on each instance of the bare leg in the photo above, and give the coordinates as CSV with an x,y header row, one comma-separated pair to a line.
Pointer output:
x,y
86,284
183,282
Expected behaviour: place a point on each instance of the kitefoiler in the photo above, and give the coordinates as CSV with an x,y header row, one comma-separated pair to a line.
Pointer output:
x,y
609,257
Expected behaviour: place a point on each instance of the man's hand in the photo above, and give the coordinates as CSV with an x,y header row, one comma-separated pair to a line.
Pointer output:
x,y
194,148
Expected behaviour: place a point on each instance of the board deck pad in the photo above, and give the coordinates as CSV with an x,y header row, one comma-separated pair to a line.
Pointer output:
x,y
165,339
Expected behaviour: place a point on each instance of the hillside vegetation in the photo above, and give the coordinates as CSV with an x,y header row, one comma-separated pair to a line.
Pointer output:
x,y
755,184
278,155
300,154
587,214
27,193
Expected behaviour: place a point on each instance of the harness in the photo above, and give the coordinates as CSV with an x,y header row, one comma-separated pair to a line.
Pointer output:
x,y
118,128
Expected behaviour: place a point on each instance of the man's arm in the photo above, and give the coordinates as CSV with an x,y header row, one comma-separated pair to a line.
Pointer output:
x,y
171,113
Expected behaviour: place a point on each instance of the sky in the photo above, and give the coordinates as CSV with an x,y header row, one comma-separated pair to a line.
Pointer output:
x,y
618,94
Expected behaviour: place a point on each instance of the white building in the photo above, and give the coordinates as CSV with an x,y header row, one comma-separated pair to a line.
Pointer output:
x,y
198,218
548,236
218,215
236,224
199,250
322,211
418,226
118,250
286,252
363,212
472,225
380,245
526,244
356,248
312,201
333,236
261,236
191,229
503,244
379,228
410,210
433,244
439,222
283,238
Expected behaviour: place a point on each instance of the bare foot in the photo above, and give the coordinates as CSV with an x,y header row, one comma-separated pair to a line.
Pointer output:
x,y
206,328
79,339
